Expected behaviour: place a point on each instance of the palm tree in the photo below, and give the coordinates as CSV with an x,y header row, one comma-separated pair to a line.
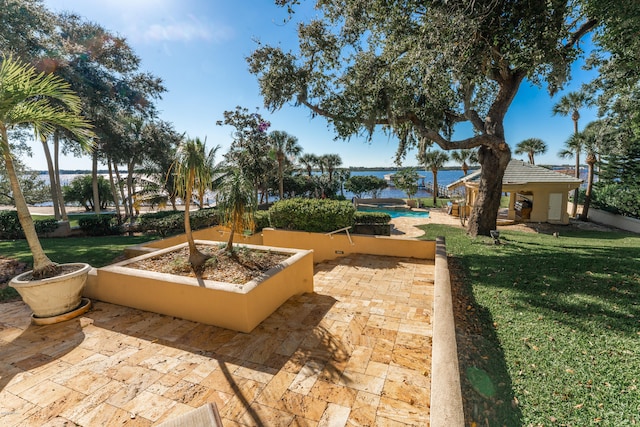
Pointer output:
x,y
308,161
464,156
573,145
189,169
207,180
433,160
330,162
44,102
571,103
237,204
283,145
531,147
593,138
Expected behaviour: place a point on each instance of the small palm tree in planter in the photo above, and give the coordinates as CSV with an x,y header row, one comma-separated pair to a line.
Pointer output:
x,y
193,168
44,102
237,203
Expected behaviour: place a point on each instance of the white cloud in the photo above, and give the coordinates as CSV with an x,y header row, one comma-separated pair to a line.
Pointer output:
x,y
187,31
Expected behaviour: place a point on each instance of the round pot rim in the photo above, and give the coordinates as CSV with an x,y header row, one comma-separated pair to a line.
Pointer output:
x,y
17,280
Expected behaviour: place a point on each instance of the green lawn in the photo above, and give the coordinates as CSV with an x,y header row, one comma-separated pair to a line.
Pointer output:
x,y
558,327
97,251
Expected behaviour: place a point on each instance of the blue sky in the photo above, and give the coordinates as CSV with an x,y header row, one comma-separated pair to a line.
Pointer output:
x,y
198,48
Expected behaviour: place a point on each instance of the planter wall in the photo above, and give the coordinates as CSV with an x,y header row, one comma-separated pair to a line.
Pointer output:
x,y
231,306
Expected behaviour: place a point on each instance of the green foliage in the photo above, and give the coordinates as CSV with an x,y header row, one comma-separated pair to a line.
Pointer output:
x,y
80,190
365,184
315,215
407,181
262,220
371,218
166,223
618,198
100,225
34,189
10,227
562,339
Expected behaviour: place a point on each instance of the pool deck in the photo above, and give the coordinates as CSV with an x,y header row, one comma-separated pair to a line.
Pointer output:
x,y
357,351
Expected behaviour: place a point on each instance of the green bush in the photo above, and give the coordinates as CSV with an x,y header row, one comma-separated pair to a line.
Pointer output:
x,y
10,227
262,220
99,225
315,215
45,226
617,198
371,218
166,223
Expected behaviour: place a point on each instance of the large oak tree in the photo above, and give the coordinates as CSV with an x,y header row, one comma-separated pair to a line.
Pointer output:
x,y
419,68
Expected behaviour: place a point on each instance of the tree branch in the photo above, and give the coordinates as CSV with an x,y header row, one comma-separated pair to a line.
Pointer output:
x,y
584,29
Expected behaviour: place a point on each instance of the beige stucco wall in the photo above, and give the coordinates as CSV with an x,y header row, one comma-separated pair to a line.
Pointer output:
x,y
324,246
237,307
327,247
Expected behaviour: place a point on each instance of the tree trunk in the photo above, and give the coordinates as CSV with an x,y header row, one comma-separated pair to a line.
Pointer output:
x,y
435,186
56,166
121,188
42,265
280,179
587,198
130,191
576,192
94,181
196,258
52,179
114,192
484,215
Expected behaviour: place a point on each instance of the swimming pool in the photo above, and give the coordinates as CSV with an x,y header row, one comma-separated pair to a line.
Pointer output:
x,y
396,213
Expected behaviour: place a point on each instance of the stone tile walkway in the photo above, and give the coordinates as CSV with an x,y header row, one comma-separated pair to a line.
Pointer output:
x,y
355,352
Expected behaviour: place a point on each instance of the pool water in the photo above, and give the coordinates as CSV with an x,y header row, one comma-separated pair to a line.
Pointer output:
x,y
396,213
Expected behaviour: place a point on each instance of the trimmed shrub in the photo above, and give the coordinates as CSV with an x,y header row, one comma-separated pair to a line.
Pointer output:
x,y
314,215
45,226
99,225
262,220
166,223
10,227
371,218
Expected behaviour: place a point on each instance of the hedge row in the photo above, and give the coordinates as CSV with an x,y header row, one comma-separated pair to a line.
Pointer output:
x,y
10,227
166,223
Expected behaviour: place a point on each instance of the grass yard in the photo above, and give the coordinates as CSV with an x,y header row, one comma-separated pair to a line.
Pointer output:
x,y
97,251
556,339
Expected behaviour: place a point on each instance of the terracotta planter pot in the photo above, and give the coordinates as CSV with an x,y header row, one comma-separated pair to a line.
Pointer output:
x,y
55,295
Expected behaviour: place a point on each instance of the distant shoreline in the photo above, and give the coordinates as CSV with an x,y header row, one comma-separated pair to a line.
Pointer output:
x,y
352,168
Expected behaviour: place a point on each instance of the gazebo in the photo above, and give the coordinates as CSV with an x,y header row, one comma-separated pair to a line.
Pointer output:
x,y
537,194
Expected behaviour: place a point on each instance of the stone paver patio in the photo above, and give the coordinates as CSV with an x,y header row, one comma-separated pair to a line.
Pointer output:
x,y
356,352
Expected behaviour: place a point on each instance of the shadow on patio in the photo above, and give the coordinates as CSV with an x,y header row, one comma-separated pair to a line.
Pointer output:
x,y
358,350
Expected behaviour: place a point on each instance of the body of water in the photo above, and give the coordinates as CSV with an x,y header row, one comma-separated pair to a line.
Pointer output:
x,y
444,177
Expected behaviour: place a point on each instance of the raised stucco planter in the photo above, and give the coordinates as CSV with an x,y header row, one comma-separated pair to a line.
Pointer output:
x,y
240,307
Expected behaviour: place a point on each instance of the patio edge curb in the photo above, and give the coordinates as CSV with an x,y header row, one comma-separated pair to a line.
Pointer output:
x,y
446,394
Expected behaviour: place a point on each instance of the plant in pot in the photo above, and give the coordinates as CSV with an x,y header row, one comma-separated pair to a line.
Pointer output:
x,y
44,102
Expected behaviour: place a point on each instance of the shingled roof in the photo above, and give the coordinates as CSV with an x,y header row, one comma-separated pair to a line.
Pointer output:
x,y
520,173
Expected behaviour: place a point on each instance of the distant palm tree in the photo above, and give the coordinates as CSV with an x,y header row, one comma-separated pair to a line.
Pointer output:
x,y
531,147
308,161
433,160
283,145
190,168
571,103
44,102
464,156
331,162
237,204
